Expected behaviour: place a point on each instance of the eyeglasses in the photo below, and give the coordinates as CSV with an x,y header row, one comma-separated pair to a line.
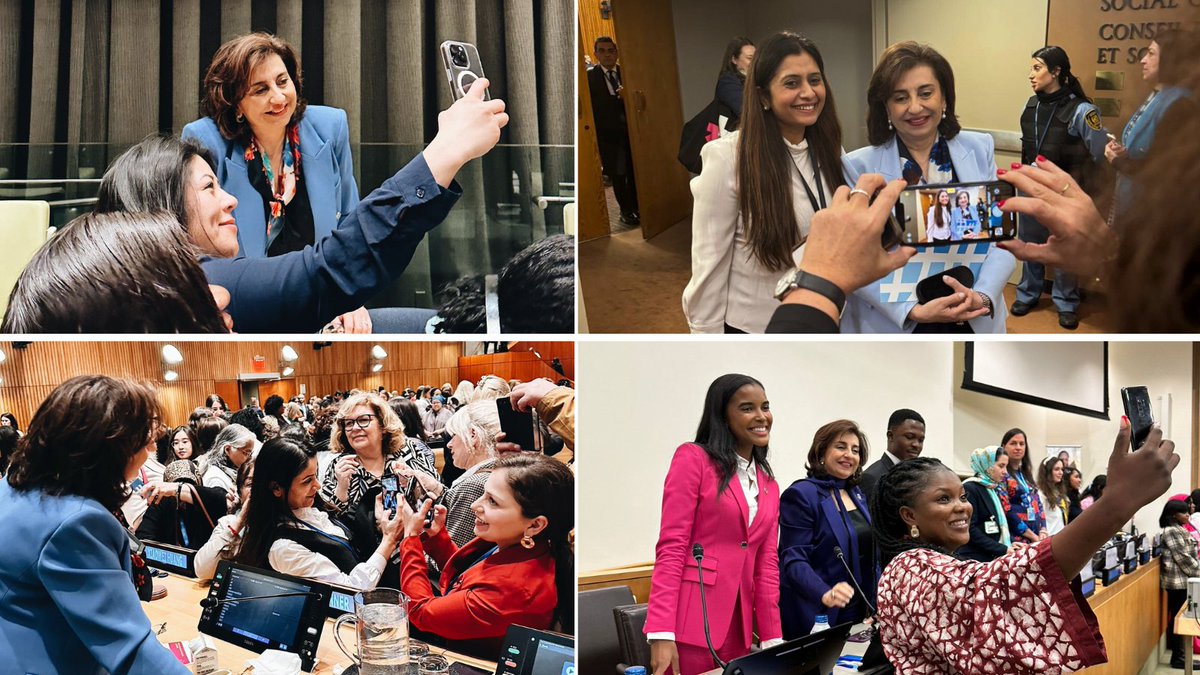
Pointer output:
x,y
362,422
246,451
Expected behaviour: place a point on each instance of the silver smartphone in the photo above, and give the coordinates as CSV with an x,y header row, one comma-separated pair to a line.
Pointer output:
x,y
463,67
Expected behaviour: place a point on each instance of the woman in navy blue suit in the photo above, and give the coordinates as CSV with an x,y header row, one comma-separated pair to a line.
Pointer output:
x,y
817,515
70,605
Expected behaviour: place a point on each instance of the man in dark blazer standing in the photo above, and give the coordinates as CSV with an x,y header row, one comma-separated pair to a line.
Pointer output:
x,y
906,437
612,130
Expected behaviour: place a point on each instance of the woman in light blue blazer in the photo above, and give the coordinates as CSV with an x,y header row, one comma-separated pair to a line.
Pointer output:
x,y
915,135
287,163
70,605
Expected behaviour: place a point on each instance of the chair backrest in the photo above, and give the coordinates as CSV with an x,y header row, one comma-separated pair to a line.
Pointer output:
x,y
23,227
596,642
631,619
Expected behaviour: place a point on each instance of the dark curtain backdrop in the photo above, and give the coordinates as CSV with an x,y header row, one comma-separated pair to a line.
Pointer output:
x,y
110,72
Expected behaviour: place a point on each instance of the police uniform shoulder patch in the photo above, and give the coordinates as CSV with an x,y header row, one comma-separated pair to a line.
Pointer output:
x,y
1093,119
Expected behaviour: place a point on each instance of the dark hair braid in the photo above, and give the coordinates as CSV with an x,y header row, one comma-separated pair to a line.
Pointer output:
x,y
900,487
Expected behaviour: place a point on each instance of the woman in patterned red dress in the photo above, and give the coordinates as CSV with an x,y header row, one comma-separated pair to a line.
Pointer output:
x,y
941,615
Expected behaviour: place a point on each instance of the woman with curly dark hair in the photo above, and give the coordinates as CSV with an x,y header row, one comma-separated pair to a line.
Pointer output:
x,y
69,601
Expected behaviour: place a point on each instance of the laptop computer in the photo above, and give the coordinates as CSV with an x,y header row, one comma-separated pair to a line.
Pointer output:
x,y
814,654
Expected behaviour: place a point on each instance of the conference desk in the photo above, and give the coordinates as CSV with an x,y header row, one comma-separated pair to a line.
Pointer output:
x,y
1189,628
180,612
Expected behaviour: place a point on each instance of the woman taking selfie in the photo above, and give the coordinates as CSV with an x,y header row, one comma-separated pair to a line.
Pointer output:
x,y
721,495
70,605
933,606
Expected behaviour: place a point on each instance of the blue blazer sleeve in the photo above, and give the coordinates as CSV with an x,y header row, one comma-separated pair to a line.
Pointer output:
x,y
84,568
799,518
301,291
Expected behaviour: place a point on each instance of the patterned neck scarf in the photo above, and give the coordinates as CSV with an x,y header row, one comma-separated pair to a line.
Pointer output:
x,y
285,189
940,170
983,459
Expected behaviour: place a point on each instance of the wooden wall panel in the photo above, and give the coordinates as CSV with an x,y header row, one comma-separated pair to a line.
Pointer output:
x,y
30,374
519,363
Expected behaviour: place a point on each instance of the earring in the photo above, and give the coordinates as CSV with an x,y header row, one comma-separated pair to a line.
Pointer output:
x,y
943,113
889,124
241,117
766,107
914,532
526,542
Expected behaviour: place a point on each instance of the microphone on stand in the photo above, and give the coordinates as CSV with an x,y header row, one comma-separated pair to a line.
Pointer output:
x,y
837,550
206,603
698,554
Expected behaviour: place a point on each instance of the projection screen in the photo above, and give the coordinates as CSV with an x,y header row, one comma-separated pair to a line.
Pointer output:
x,y
1068,376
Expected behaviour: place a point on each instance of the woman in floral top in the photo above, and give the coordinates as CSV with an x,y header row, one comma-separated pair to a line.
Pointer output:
x,y
1026,519
1017,615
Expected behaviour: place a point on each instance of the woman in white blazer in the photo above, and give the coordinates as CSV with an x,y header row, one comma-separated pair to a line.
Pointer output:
x,y
915,135
760,187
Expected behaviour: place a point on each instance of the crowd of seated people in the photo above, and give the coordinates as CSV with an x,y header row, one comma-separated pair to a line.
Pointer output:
x,y
307,501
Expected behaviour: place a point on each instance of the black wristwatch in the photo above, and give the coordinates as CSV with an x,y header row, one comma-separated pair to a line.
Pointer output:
x,y
798,278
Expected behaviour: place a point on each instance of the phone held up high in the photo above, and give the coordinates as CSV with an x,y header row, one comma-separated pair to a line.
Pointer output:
x,y
952,213
518,427
463,67
1141,417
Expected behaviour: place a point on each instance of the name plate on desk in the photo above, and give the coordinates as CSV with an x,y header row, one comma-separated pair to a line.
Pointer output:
x,y
1087,581
181,561
1111,575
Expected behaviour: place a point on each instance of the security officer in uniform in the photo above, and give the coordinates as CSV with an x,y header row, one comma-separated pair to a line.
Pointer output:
x,y
1061,124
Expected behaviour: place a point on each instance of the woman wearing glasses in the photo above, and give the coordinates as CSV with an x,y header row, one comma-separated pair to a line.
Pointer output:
x,y
230,449
367,440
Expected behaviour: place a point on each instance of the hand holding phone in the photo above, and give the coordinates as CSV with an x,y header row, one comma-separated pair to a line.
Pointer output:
x,y
463,67
1136,401
941,215
390,488
519,428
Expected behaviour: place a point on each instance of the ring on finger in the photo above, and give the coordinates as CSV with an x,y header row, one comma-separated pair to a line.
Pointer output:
x,y
1064,189
861,192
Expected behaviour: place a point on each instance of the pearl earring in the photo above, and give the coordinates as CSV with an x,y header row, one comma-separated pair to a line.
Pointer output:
x,y
241,117
889,125
943,113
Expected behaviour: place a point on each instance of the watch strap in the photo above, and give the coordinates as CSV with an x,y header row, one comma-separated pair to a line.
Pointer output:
x,y
820,286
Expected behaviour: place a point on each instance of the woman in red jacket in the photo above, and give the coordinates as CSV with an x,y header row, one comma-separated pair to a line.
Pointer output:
x,y
518,569
720,493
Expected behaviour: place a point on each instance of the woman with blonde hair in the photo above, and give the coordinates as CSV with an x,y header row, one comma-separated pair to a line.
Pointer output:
x,y
367,440
491,387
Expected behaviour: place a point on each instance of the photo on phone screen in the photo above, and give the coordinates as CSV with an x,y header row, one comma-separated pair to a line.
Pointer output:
x,y
956,213
463,67
1141,416
390,488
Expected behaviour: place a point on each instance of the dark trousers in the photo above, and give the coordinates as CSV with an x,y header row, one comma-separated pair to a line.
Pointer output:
x,y
1175,600
616,157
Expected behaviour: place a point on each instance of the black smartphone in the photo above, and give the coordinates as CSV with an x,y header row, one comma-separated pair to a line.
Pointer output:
x,y
463,67
953,213
390,488
518,427
1141,417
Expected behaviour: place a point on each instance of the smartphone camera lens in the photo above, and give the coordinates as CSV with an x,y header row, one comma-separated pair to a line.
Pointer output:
x,y
458,55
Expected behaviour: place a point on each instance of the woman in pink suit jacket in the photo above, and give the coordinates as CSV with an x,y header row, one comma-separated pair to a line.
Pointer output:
x,y
705,501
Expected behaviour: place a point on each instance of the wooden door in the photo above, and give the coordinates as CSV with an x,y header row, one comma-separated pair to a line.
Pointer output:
x,y
655,111
593,206
230,392
285,388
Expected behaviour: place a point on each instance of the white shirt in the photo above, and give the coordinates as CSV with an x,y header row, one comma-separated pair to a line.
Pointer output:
x,y
728,284
1054,514
748,477
135,507
608,82
210,553
288,557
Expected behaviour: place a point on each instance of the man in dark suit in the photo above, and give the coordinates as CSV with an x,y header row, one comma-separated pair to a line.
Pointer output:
x,y
906,437
612,130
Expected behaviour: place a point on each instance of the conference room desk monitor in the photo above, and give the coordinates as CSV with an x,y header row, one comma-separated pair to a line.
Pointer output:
x,y
829,651
177,614
536,652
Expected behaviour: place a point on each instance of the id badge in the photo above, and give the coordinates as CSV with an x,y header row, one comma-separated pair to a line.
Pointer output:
x,y
991,527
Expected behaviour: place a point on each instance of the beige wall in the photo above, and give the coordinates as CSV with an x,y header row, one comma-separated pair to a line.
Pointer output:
x,y
644,398
1164,367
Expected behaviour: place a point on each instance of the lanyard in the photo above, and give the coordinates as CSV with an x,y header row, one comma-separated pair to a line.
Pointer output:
x,y
458,577
1041,139
820,196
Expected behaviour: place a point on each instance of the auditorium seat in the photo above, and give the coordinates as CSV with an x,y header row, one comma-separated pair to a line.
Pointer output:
x,y
598,648
635,651
23,227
